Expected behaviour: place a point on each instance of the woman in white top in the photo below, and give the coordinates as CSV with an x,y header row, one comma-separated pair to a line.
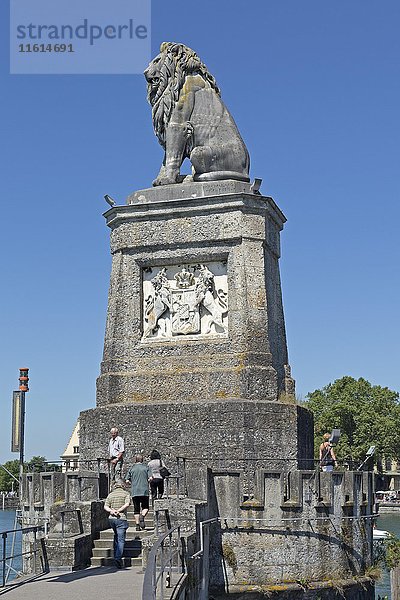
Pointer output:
x,y
156,480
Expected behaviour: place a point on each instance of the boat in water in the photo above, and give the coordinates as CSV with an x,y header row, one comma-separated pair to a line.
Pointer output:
x,y
380,534
387,501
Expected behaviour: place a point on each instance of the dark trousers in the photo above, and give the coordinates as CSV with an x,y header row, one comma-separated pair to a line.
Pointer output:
x,y
157,488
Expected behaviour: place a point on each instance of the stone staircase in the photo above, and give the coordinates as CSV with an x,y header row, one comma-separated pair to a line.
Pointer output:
x,y
103,554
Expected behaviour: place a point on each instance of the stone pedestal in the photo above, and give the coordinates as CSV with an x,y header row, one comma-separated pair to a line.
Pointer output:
x,y
195,365
195,305
195,359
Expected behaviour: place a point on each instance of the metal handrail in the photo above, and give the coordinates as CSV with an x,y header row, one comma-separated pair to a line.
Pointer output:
x,y
266,525
9,473
177,485
24,530
94,464
151,579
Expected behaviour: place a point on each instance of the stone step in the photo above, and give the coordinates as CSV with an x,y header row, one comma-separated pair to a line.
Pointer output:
x,y
105,543
109,562
103,552
132,521
130,512
131,534
109,553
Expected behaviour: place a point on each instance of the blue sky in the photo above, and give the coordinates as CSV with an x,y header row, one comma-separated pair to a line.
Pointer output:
x,y
315,90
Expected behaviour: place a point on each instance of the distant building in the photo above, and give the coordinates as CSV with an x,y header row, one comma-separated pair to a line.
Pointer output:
x,y
388,474
70,457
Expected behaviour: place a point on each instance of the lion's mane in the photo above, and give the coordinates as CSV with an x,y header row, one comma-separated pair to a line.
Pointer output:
x,y
174,63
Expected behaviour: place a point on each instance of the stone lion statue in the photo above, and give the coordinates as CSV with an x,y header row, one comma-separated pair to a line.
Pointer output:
x,y
190,119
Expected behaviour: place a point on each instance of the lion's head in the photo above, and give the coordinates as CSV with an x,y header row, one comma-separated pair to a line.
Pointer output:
x,y
165,77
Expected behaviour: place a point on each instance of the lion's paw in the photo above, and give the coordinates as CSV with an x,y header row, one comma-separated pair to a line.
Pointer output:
x,y
164,180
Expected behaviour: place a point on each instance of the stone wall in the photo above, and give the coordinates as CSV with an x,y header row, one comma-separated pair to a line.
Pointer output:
x,y
70,504
229,431
307,526
302,535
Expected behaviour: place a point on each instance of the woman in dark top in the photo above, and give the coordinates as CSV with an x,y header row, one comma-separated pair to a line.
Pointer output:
x,y
327,456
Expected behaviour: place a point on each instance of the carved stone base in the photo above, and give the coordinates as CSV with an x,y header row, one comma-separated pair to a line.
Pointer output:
x,y
195,307
224,434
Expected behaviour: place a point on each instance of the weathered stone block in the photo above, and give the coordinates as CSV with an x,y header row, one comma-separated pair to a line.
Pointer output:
x,y
190,253
73,553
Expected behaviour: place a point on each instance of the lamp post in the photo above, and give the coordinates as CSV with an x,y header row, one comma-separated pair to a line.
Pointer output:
x,y
18,421
23,388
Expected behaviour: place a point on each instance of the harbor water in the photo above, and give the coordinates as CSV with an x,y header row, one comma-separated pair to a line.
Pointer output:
x,y
7,523
389,522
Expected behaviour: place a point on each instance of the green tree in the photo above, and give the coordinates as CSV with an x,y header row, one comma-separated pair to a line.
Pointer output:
x,y
366,415
37,464
7,482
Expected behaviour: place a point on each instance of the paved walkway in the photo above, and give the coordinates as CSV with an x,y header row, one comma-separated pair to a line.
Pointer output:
x,y
94,583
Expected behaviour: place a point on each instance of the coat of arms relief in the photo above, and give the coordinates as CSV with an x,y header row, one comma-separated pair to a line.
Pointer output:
x,y
185,300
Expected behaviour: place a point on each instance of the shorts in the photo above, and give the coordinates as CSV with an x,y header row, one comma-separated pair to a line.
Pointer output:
x,y
327,468
140,501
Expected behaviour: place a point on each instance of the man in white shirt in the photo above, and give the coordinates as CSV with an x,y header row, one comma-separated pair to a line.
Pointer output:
x,y
116,449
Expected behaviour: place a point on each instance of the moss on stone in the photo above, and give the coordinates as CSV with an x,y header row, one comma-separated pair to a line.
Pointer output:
x,y
230,556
